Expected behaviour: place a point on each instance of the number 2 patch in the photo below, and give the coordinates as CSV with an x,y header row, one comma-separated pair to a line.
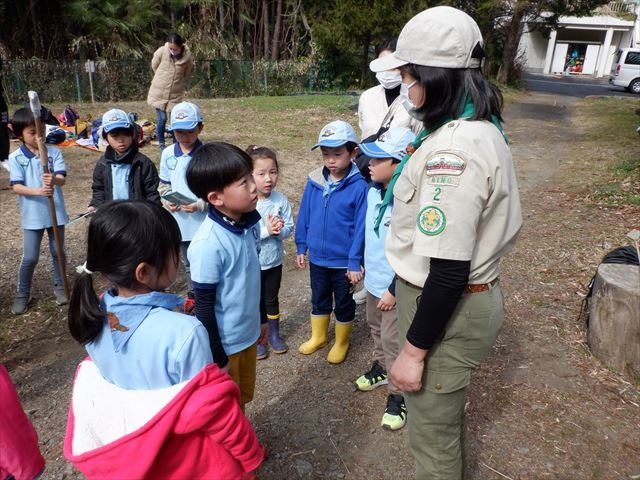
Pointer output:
x,y
431,220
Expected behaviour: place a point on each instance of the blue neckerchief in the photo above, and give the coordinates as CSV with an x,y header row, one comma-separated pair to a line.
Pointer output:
x,y
131,311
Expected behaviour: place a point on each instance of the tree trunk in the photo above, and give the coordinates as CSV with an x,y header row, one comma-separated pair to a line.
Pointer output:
x,y
511,43
277,31
265,28
614,318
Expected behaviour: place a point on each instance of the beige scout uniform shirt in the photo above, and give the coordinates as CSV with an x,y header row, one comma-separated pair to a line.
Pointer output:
x,y
456,198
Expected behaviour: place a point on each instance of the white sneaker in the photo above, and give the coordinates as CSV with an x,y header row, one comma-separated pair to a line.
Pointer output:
x,y
360,296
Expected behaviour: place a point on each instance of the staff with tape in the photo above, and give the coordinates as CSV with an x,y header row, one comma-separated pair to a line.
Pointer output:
x,y
456,212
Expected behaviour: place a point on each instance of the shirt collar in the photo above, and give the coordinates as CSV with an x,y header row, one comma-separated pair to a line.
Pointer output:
x,y
235,226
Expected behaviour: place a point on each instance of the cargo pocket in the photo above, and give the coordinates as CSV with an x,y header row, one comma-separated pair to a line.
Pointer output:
x,y
447,382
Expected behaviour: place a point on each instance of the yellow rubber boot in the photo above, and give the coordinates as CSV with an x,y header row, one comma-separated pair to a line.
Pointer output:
x,y
338,352
319,327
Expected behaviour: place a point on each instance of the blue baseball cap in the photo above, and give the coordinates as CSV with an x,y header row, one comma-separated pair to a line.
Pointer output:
x,y
115,118
336,134
390,144
185,116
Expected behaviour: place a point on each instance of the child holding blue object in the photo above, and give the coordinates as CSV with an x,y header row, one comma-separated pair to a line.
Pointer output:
x,y
385,153
276,225
33,186
331,229
189,212
225,269
122,173
150,386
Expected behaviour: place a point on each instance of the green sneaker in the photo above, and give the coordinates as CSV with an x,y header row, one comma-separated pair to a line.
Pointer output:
x,y
373,378
395,415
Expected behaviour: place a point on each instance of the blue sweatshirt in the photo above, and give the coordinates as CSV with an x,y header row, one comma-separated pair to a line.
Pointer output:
x,y
331,220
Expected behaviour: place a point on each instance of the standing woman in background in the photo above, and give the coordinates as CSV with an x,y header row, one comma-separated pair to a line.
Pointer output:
x,y
172,65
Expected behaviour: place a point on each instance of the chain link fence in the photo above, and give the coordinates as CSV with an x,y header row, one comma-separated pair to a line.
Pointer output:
x,y
129,80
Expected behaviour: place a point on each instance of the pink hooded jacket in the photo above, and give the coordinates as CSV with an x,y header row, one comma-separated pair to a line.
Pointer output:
x,y
194,430
19,452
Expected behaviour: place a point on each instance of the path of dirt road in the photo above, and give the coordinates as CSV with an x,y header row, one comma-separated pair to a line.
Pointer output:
x,y
540,407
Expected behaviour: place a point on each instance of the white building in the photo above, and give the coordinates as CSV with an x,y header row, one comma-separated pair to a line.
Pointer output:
x,y
582,45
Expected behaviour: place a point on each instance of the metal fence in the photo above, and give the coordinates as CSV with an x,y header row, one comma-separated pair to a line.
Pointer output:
x,y
69,81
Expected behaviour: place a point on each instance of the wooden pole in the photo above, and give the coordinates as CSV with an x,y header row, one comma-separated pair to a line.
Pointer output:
x,y
34,102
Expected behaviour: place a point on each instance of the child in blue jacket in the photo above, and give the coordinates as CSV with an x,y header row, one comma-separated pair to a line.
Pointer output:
x,y
330,229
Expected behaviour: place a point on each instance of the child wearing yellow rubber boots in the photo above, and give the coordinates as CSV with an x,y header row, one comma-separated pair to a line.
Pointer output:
x,y
385,153
330,229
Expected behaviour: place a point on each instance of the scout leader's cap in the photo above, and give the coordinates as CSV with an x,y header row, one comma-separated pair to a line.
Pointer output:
x,y
115,118
336,134
437,37
391,144
185,116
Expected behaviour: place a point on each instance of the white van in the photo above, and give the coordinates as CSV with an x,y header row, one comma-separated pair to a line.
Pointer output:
x,y
625,70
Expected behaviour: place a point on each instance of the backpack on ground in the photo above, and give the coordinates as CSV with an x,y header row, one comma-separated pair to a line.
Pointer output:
x,y
626,255
69,116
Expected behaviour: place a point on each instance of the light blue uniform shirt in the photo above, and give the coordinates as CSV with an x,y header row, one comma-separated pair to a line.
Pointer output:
x,y
225,256
25,169
378,272
173,168
271,248
161,347
120,180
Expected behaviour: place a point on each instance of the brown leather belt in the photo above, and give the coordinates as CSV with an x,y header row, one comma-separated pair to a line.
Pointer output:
x,y
471,288
480,287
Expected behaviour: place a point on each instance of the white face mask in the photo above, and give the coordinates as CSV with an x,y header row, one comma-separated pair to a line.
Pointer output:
x,y
389,79
409,106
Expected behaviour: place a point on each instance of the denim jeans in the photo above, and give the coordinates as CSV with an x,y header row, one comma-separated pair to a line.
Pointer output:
x,y
31,253
329,285
161,123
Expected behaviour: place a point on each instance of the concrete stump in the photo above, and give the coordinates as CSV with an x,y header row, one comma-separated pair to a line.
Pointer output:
x,y
614,318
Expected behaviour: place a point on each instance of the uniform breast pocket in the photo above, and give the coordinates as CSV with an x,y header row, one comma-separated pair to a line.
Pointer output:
x,y
404,209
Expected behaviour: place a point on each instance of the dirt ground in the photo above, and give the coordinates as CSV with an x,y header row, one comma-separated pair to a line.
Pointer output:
x,y
541,406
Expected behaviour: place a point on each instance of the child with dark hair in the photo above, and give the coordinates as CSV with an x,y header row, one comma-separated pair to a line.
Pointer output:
x,y
334,200
150,386
33,186
189,212
122,173
225,269
276,225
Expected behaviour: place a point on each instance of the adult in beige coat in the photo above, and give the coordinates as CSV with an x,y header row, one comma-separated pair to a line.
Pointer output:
x,y
172,65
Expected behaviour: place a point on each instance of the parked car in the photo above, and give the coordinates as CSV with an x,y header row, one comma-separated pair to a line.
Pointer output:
x,y
625,71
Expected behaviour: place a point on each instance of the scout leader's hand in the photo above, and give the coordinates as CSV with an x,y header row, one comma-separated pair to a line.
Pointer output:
x,y
406,371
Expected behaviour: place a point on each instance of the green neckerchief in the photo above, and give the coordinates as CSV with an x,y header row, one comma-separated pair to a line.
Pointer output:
x,y
467,112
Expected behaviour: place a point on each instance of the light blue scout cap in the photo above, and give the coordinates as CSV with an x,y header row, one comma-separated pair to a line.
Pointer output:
x,y
391,144
115,118
336,134
185,116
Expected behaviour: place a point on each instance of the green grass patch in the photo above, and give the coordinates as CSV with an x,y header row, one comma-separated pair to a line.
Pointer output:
x,y
612,129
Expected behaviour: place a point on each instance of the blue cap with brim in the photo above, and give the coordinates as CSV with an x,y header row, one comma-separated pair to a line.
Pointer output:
x,y
115,118
185,116
390,144
336,134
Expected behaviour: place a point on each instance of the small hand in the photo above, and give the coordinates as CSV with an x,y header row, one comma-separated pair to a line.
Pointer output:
x,y
173,207
192,207
354,277
387,302
300,260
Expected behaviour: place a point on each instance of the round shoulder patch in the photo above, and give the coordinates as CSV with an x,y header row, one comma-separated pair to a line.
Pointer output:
x,y
431,220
